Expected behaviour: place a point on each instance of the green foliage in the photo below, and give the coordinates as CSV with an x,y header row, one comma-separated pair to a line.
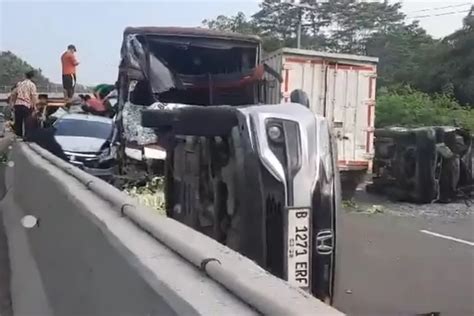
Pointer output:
x,y
13,69
403,52
408,55
407,107
350,23
238,23
452,67
150,195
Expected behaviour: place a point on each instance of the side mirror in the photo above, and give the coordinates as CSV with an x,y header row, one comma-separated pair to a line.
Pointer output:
x,y
299,96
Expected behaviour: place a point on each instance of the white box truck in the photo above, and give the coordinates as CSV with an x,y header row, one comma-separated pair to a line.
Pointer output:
x,y
340,87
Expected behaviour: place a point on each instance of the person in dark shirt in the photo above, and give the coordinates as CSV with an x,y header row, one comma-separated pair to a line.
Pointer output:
x,y
44,137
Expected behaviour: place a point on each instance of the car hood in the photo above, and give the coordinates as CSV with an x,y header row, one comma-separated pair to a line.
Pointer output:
x,y
80,144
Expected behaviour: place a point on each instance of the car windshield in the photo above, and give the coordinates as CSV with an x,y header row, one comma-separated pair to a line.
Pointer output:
x,y
83,128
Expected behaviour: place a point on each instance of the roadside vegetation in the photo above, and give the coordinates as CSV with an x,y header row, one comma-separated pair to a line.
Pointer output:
x,y
411,108
150,195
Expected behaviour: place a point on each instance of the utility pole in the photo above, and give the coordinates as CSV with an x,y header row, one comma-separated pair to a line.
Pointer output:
x,y
297,4
299,27
300,6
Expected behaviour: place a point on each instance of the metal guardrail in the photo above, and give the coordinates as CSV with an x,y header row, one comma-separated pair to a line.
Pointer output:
x,y
240,278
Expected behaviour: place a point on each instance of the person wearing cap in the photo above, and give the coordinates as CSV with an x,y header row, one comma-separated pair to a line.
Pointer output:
x,y
69,64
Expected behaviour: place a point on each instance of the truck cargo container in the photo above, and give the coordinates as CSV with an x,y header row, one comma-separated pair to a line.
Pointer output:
x,y
340,87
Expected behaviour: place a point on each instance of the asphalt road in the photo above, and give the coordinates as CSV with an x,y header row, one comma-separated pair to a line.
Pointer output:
x,y
5,299
406,265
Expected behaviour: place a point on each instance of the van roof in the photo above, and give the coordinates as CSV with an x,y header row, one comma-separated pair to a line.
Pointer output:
x,y
191,32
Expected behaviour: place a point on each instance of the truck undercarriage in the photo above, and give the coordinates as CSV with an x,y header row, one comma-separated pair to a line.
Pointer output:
x,y
423,165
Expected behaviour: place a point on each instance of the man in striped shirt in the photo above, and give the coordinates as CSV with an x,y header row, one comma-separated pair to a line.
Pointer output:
x,y
24,101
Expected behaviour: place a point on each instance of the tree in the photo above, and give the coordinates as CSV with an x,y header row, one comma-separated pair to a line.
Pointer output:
x,y
402,53
355,22
13,69
239,23
337,25
449,67
408,55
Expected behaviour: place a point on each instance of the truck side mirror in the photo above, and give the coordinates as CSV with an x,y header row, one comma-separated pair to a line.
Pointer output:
x,y
299,96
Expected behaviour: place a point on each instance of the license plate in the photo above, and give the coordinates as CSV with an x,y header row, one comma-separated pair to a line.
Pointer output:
x,y
298,247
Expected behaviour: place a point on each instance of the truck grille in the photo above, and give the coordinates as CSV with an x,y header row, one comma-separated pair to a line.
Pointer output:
x,y
274,206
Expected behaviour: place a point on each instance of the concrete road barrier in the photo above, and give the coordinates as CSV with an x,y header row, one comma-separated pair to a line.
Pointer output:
x,y
95,252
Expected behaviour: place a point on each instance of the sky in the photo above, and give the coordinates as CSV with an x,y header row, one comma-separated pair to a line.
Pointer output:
x,y
39,30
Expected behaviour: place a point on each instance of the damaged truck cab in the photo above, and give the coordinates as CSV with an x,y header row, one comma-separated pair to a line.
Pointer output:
x,y
259,178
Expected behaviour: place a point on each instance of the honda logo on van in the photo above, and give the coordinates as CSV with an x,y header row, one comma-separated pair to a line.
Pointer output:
x,y
324,242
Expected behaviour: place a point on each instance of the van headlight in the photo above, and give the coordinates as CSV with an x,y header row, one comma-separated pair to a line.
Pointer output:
x,y
275,133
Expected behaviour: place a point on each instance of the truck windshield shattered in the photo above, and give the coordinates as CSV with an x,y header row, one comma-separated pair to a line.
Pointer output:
x,y
191,69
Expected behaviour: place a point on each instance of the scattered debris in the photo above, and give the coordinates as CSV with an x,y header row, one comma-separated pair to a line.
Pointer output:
x,y
352,206
365,203
349,204
374,209
150,194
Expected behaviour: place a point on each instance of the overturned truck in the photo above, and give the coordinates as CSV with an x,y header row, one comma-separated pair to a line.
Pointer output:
x,y
259,178
423,165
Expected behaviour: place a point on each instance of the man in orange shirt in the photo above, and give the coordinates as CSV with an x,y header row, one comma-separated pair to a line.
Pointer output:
x,y
69,63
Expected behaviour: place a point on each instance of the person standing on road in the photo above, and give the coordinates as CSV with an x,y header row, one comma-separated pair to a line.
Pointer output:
x,y
24,101
69,64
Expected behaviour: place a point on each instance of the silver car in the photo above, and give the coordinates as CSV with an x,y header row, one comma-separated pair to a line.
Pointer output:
x,y
89,142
